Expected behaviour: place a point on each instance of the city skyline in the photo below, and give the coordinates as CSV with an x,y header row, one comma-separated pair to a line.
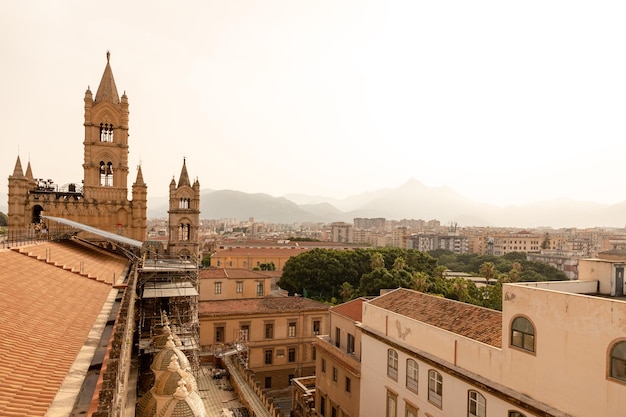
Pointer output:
x,y
505,104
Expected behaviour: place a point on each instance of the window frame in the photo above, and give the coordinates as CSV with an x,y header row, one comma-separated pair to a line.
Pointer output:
x,y
269,357
476,404
392,364
616,361
268,331
435,388
291,355
412,375
348,385
292,329
217,287
391,404
515,413
522,328
239,287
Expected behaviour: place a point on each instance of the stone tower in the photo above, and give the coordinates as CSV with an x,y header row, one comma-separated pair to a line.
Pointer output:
x,y
184,218
102,200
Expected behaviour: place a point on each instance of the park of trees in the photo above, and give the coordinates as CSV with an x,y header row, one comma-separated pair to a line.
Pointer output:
x,y
336,276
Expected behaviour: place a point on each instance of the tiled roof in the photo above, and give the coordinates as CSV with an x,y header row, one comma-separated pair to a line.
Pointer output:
x,y
259,251
467,320
266,305
46,313
352,309
232,273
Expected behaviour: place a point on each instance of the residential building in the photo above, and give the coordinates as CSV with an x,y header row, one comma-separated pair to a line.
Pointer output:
x,y
233,283
341,232
338,369
519,241
251,257
276,334
554,350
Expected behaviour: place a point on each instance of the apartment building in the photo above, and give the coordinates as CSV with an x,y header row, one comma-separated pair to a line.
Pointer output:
x,y
338,370
522,241
554,350
234,283
275,334
341,232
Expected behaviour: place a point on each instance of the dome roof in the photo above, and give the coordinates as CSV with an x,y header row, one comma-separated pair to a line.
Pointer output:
x,y
167,382
160,340
162,359
183,404
147,405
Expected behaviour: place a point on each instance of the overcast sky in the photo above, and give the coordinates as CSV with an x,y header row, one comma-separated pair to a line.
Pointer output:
x,y
504,102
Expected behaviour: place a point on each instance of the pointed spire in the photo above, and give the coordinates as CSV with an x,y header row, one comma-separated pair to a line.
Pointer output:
x,y
29,172
184,177
17,171
139,180
107,91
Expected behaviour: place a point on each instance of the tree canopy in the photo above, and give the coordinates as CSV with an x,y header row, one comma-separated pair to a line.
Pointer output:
x,y
330,274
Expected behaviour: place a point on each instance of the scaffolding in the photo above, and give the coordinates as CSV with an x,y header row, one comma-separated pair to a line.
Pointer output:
x,y
168,296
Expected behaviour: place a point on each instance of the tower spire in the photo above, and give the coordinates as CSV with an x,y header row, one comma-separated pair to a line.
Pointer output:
x,y
107,91
184,177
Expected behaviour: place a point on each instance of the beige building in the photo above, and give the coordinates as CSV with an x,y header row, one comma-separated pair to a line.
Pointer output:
x,y
250,257
341,232
101,200
552,351
274,334
233,283
338,370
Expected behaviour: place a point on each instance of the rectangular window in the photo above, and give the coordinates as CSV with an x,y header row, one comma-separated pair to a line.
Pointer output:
x,y
239,288
259,289
316,327
411,410
219,334
392,404
218,288
333,412
323,365
244,332
269,330
350,344
322,406
313,353
291,330
269,356
348,385
335,374
337,336
411,375
268,382
392,364
291,355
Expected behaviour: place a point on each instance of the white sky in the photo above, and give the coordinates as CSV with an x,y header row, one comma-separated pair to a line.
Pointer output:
x,y
504,102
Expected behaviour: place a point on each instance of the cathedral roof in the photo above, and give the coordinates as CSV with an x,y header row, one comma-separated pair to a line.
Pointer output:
x,y
184,177
107,91
18,171
162,359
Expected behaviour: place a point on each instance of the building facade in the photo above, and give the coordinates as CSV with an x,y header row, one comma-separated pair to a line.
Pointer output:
x,y
101,200
274,334
431,357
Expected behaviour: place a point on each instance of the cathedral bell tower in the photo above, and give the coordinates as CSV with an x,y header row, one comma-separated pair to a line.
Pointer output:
x,y
106,142
184,218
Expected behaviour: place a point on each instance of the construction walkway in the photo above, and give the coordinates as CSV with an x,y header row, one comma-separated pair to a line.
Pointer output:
x,y
216,396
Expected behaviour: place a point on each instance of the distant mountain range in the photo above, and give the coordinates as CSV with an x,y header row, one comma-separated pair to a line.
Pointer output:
x,y
412,200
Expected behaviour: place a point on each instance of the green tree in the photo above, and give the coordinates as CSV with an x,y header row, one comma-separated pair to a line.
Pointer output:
x,y
4,220
346,291
488,271
545,244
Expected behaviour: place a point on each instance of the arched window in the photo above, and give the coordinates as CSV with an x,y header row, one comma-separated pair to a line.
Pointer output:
x,y
392,364
411,374
435,387
523,334
617,364
476,404
106,174
106,132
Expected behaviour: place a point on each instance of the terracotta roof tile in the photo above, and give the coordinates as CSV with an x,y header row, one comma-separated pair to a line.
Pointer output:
x,y
46,314
231,273
267,305
352,309
467,320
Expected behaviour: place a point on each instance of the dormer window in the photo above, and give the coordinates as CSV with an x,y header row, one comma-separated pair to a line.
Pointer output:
x,y
106,174
106,132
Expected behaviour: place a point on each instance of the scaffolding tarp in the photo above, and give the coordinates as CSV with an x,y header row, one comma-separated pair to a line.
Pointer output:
x,y
108,235
169,289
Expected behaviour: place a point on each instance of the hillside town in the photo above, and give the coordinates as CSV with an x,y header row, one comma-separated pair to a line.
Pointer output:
x,y
106,312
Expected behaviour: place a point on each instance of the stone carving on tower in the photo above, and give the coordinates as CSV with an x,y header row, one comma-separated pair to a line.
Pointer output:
x,y
184,218
102,199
